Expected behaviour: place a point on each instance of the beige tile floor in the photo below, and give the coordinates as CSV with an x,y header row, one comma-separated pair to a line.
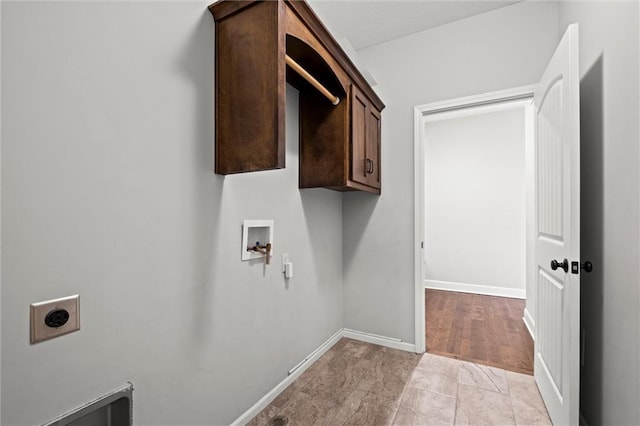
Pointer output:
x,y
356,383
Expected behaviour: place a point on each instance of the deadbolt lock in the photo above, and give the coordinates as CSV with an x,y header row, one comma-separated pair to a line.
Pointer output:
x,y
576,266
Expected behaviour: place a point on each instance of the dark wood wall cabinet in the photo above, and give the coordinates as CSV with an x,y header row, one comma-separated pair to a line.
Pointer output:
x,y
261,46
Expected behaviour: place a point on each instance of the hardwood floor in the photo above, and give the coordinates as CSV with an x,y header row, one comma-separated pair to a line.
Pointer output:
x,y
486,330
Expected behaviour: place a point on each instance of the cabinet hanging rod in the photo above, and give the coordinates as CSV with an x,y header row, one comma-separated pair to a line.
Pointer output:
x,y
315,83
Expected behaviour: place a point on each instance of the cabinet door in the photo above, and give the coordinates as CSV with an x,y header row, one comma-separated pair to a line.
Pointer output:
x,y
359,112
365,140
372,147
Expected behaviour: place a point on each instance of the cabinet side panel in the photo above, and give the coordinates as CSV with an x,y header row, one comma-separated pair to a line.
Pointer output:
x,y
250,82
322,137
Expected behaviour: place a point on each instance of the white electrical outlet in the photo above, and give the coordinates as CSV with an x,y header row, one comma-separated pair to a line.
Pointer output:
x,y
287,266
288,270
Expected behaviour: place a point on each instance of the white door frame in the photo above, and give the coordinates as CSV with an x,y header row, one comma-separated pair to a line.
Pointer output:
x,y
420,112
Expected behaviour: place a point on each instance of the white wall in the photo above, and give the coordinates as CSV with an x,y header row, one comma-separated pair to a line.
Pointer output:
x,y
498,50
475,200
609,69
108,191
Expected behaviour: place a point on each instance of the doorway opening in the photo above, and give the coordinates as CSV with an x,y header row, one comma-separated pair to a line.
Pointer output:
x,y
474,204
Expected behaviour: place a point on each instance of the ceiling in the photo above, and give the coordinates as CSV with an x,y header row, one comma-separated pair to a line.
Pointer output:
x,y
364,23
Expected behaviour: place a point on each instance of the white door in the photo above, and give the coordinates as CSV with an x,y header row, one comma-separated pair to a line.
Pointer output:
x,y
557,246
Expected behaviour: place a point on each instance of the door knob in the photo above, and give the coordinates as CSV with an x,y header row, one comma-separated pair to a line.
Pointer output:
x,y
563,265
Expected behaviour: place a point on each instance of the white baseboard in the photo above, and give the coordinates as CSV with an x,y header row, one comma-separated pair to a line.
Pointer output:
x,y
529,323
293,375
488,290
296,371
379,340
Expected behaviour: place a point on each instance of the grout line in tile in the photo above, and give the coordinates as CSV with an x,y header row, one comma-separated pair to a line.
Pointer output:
x,y
455,409
404,390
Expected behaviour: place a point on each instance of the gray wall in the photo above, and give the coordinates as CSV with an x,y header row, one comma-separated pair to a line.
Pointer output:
x,y
108,191
609,69
498,50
